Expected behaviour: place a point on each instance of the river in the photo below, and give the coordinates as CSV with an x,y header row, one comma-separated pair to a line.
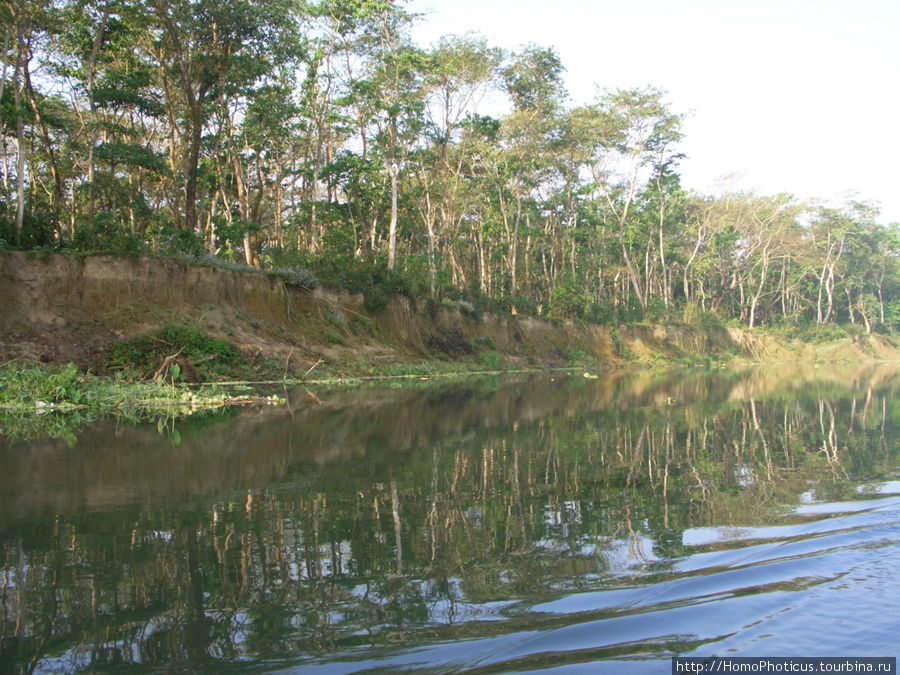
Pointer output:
x,y
551,522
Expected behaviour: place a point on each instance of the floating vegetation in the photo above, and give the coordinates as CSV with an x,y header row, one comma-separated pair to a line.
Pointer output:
x,y
56,400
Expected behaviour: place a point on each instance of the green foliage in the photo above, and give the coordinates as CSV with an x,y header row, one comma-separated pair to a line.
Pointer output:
x,y
700,319
534,79
105,234
483,343
478,303
603,313
568,302
40,386
197,356
374,280
309,148
230,232
658,313
132,155
574,355
296,277
619,344
122,91
178,240
378,285
611,313
490,360
519,304
812,333
219,262
37,229
333,338
57,400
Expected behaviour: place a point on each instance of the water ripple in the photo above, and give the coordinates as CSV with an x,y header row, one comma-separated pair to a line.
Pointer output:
x,y
828,582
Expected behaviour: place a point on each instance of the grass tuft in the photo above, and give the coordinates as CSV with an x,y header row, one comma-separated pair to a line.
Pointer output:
x,y
177,351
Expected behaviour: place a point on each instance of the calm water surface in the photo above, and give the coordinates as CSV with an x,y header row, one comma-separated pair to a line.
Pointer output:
x,y
546,522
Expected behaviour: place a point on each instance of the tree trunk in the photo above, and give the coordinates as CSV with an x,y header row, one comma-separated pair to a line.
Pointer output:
x,y
194,98
514,254
191,166
432,261
850,305
754,302
21,64
632,274
91,65
819,317
57,200
662,261
393,172
861,307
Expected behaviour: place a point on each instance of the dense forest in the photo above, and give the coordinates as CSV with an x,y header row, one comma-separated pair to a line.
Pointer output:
x,y
315,138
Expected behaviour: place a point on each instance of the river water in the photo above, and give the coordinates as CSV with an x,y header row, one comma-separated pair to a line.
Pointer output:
x,y
547,522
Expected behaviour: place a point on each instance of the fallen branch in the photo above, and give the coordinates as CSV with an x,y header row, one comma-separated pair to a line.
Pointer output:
x,y
311,368
166,365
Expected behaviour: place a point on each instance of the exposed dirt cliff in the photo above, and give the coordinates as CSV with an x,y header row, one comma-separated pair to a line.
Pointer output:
x,y
60,308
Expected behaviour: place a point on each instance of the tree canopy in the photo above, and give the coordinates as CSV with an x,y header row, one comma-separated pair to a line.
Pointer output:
x,y
316,134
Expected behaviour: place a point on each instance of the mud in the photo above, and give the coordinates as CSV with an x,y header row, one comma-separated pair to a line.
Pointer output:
x,y
61,308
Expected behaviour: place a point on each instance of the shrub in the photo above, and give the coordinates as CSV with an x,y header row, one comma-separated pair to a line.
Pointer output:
x,y
488,360
296,277
813,333
521,303
333,338
568,302
54,384
372,278
619,344
37,231
198,356
701,319
603,313
174,240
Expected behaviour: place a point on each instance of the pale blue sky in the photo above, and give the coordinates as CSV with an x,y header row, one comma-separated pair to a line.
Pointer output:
x,y
799,96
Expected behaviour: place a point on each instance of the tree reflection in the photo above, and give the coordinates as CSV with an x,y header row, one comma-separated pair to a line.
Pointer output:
x,y
433,515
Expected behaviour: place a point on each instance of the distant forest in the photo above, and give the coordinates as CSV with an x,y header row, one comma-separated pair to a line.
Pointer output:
x,y
314,139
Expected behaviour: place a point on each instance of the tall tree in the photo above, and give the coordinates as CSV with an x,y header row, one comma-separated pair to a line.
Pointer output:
x,y
208,43
461,69
638,133
397,81
829,229
533,82
25,19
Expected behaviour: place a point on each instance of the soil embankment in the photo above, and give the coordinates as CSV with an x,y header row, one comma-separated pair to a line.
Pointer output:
x,y
61,308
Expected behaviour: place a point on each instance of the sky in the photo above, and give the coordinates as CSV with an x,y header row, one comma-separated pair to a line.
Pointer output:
x,y
796,96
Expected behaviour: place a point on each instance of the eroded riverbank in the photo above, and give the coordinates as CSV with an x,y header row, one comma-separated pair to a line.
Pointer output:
x,y
58,308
